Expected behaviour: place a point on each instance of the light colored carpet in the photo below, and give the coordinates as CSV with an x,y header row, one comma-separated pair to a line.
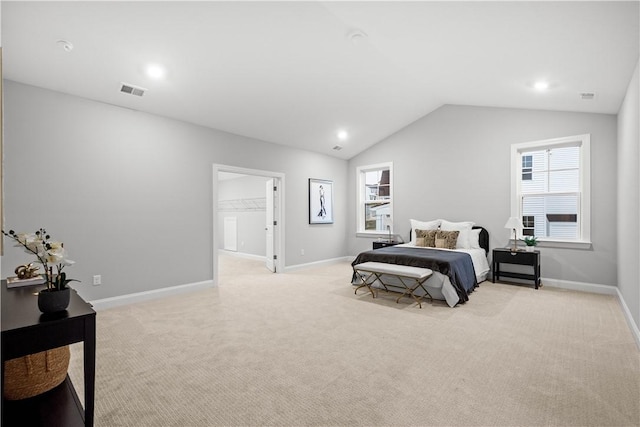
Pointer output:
x,y
301,349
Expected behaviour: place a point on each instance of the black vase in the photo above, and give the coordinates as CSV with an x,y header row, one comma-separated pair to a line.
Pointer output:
x,y
53,300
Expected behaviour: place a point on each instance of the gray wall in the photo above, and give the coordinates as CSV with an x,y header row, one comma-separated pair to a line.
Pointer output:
x,y
628,199
130,193
252,237
455,164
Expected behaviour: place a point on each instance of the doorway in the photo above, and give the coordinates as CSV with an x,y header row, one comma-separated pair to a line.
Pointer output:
x,y
257,196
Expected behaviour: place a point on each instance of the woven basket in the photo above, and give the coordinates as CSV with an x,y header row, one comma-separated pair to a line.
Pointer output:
x,y
36,373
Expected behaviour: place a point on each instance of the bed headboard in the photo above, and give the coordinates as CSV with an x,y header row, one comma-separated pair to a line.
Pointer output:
x,y
483,239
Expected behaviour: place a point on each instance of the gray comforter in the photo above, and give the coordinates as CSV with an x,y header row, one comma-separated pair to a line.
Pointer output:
x,y
457,266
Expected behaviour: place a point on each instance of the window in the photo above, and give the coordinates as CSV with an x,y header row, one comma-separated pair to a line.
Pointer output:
x,y
528,225
527,164
551,189
375,199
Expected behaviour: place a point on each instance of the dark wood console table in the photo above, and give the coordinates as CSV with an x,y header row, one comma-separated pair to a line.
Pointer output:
x,y
25,330
507,256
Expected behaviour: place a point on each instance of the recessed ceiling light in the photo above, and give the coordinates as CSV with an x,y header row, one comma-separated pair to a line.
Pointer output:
x,y
541,85
155,71
343,135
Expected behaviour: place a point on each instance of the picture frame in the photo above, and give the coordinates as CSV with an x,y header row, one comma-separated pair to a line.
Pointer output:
x,y
320,201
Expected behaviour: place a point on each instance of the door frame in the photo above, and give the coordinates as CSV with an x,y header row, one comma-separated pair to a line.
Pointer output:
x,y
269,224
278,234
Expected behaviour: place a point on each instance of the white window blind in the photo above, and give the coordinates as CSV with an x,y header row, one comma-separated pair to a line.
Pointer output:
x,y
550,188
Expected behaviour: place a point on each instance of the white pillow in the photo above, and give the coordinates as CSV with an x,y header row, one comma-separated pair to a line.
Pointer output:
x,y
474,238
463,227
422,225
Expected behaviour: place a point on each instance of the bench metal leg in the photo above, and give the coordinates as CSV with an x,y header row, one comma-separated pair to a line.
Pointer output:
x,y
371,277
365,282
410,291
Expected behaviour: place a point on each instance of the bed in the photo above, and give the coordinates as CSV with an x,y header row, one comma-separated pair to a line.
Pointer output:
x,y
456,272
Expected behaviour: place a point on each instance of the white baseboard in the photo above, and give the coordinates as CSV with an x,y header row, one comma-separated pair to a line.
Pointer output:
x,y
627,314
330,261
104,303
244,255
579,286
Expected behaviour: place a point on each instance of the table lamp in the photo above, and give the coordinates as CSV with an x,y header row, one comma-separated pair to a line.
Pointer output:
x,y
514,223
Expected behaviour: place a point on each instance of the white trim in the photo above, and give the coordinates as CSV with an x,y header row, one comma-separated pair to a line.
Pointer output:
x,y
585,186
330,261
576,244
374,234
105,303
243,255
629,318
360,196
579,286
278,235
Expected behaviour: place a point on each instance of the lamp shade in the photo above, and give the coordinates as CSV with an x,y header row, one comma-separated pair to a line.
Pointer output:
x,y
513,222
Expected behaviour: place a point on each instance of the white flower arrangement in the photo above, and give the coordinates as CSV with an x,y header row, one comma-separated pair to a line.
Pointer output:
x,y
48,253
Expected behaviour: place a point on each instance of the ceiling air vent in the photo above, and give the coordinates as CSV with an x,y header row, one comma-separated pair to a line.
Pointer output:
x,y
587,95
132,89
337,148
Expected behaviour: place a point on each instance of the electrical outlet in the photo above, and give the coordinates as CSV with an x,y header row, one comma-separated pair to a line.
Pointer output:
x,y
97,280
302,252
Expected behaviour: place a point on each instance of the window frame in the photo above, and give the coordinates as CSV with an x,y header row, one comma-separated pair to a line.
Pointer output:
x,y
584,217
361,199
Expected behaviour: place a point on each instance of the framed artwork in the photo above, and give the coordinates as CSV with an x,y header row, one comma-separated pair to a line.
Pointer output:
x,y
320,201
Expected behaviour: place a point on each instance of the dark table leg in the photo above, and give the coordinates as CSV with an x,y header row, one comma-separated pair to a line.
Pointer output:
x,y
89,368
2,391
496,271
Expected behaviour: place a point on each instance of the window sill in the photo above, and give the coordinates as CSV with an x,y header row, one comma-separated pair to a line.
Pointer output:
x,y
373,234
574,244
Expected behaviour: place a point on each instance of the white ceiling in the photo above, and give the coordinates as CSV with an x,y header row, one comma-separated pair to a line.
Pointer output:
x,y
288,72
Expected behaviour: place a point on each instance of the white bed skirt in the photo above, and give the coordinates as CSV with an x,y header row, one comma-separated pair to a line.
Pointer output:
x,y
438,285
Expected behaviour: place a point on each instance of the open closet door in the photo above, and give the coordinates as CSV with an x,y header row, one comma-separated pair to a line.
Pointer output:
x,y
271,265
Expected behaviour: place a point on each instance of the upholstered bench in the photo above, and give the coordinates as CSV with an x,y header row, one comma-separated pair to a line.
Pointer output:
x,y
410,278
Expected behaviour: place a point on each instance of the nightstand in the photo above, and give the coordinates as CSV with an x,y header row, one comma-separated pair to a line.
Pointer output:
x,y
383,244
506,256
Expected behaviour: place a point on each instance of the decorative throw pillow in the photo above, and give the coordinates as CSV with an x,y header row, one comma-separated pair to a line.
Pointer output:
x,y
450,238
441,243
422,225
420,241
429,237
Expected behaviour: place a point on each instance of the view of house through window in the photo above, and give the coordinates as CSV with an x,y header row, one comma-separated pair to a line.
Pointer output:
x,y
527,163
375,202
551,188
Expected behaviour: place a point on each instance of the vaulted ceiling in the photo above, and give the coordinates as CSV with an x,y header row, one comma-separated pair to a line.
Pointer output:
x,y
296,73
